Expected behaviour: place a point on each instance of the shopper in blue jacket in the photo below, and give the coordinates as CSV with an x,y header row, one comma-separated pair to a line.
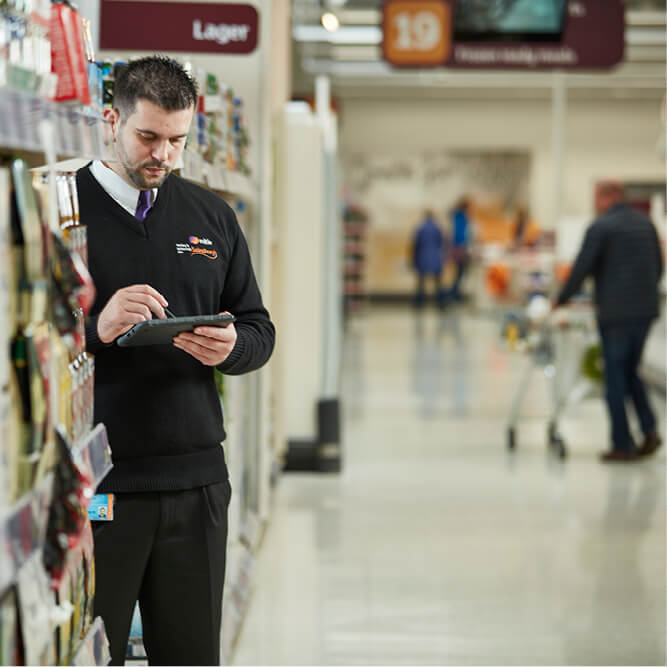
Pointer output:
x,y
427,257
460,246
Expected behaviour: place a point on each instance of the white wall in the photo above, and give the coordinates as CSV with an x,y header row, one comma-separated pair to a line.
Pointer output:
x,y
603,139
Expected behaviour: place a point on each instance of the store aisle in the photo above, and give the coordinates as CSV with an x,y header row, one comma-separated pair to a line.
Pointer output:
x,y
435,545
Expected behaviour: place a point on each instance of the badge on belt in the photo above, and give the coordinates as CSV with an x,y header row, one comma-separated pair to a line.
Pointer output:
x,y
100,507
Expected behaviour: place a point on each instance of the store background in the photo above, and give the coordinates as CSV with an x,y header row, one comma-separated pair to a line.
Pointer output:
x,y
389,143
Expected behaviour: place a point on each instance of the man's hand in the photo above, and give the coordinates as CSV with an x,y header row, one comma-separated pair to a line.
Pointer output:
x,y
127,307
210,345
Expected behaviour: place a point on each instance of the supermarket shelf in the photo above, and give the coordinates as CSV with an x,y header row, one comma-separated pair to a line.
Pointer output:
x,y
94,649
77,133
23,526
196,169
93,454
23,531
242,564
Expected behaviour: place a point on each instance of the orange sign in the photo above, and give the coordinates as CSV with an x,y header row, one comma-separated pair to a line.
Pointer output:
x,y
417,32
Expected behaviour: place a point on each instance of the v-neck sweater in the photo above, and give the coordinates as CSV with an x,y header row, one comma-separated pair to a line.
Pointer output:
x,y
160,405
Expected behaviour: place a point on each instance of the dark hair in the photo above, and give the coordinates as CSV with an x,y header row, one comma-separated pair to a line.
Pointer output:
x,y
159,80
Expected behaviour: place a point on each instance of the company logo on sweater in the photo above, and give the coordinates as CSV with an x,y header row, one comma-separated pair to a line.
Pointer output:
x,y
194,247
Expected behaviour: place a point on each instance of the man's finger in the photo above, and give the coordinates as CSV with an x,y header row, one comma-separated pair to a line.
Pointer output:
x,y
202,342
220,333
147,290
205,355
149,302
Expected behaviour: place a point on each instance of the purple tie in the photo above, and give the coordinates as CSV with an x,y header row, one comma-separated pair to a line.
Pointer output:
x,y
144,205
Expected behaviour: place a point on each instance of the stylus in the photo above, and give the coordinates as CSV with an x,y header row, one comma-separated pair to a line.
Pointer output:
x,y
168,313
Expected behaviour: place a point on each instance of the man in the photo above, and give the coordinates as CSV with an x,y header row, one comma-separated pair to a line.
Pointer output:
x,y
147,228
427,257
622,252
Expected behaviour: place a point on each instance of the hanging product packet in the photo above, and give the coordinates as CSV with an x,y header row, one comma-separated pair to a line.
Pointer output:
x,y
9,638
36,605
72,490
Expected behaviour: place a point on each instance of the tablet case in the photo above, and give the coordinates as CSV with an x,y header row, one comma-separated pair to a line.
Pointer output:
x,y
162,332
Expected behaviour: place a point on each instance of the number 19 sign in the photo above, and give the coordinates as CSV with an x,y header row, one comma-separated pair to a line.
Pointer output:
x,y
417,33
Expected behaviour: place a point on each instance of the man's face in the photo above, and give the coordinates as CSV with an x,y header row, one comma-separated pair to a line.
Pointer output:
x,y
148,143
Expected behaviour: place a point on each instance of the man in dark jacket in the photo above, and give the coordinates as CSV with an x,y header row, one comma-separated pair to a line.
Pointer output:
x,y
621,251
427,257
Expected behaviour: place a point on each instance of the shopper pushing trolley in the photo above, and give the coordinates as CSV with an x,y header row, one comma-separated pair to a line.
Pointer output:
x,y
160,245
621,251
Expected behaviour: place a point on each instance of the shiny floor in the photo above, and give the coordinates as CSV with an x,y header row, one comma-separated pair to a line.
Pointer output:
x,y
437,545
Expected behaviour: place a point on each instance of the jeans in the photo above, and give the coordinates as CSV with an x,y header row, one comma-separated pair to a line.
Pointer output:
x,y
622,346
455,289
420,296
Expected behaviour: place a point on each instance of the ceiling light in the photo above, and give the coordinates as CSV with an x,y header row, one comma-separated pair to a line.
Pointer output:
x,y
330,21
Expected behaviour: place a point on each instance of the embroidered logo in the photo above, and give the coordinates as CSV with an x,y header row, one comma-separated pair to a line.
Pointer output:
x,y
194,247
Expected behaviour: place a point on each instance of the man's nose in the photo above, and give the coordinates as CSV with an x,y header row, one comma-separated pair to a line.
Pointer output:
x,y
161,151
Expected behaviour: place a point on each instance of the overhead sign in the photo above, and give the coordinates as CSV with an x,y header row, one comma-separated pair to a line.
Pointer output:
x,y
417,34
178,26
580,34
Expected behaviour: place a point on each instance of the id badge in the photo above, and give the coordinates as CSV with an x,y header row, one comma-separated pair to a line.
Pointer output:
x,y
100,507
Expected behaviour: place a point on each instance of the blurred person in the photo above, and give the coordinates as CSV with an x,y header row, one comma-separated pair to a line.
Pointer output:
x,y
520,227
460,245
154,236
428,257
622,252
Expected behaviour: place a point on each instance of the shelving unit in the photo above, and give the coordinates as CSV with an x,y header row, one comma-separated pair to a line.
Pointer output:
x,y
234,183
23,526
77,134
354,258
40,131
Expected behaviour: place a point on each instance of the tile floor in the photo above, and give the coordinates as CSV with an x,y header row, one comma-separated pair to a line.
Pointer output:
x,y
438,546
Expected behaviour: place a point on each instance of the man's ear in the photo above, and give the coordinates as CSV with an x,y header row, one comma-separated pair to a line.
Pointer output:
x,y
113,116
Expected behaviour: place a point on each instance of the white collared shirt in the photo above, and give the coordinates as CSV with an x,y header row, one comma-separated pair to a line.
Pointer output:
x,y
123,193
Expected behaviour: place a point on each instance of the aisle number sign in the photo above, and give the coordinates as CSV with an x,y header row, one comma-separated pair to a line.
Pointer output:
x,y
422,33
417,33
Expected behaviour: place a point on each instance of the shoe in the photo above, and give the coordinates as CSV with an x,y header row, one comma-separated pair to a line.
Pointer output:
x,y
651,443
617,456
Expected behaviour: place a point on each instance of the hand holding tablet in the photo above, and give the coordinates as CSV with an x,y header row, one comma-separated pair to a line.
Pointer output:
x,y
163,331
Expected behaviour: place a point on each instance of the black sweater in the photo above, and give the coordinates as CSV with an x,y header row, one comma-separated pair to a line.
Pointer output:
x,y
622,252
159,404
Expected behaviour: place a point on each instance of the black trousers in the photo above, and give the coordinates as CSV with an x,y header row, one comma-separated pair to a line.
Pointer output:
x,y
167,550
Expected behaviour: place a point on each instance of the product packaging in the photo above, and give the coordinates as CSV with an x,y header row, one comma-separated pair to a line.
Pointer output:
x,y
9,639
7,322
36,605
68,55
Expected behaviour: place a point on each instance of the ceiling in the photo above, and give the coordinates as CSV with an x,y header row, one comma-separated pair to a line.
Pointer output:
x,y
352,58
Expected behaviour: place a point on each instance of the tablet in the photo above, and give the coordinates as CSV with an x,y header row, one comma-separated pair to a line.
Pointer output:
x,y
162,332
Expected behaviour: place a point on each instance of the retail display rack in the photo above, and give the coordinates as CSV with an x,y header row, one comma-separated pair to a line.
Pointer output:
x,y
354,258
51,457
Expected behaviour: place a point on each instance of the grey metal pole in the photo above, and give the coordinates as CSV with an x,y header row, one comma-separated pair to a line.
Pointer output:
x,y
558,109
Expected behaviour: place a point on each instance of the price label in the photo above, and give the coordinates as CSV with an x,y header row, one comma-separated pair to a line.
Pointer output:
x,y
417,33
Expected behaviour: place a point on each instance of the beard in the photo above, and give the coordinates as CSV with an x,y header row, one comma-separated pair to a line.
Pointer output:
x,y
142,180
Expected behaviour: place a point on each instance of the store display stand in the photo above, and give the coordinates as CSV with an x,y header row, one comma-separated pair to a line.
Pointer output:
x,y
40,131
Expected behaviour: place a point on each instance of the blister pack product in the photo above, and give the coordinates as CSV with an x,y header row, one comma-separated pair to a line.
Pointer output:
x,y
7,322
9,638
36,604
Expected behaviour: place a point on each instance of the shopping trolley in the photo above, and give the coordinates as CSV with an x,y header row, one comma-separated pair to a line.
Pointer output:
x,y
564,344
